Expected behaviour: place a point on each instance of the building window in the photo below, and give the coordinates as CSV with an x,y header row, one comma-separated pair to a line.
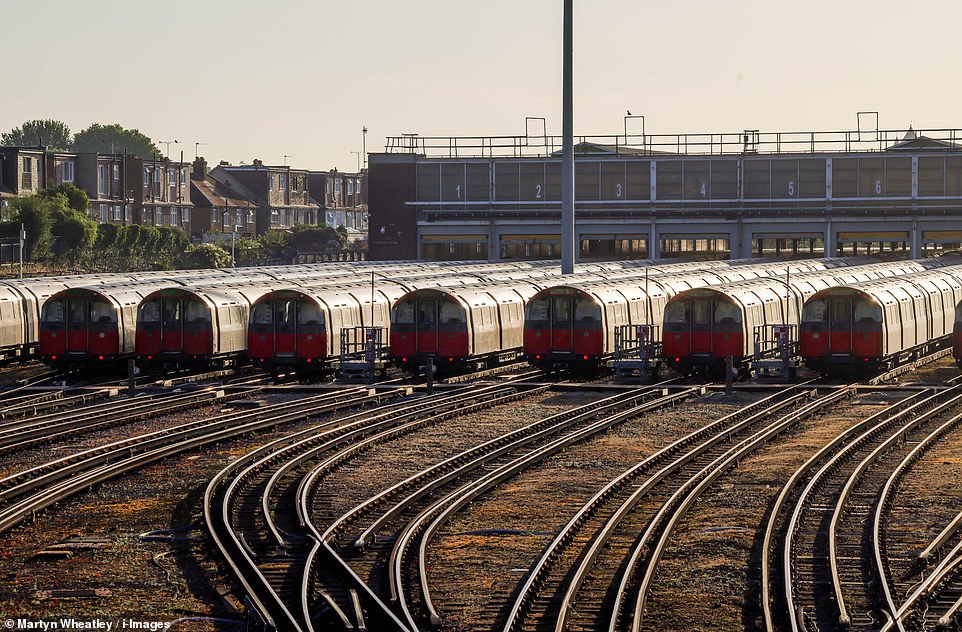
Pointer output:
x,y
66,172
174,216
116,171
271,184
104,213
274,216
146,177
158,217
337,185
250,216
103,182
283,181
350,186
283,220
28,165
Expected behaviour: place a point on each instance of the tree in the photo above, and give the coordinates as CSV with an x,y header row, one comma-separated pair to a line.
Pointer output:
x,y
306,238
75,234
36,215
54,135
207,256
99,138
75,198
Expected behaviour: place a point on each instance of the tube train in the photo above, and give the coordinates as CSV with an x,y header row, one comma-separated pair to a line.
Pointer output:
x,y
882,323
188,317
481,326
201,317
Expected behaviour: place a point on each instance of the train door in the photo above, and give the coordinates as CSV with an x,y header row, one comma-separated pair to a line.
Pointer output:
x,y
427,326
701,326
172,335
285,327
840,336
562,324
53,334
77,324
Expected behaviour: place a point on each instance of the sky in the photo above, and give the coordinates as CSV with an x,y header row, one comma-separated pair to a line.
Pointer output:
x,y
295,82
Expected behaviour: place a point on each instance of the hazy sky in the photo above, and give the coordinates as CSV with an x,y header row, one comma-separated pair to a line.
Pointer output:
x,y
300,77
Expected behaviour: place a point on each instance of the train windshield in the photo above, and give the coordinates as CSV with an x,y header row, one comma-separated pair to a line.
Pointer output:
x,y
102,312
53,311
262,314
701,312
452,314
866,312
726,312
197,313
309,314
586,310
403,314
537,310
150,312
815,311
284,312
677,312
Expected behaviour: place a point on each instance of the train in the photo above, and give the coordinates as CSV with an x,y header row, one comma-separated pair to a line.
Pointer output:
x,y
880,324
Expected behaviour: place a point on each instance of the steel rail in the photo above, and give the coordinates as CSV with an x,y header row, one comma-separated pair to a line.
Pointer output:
x,y
849,487
686,496
899,613
885,501
455,502
542,566
793,483
447,470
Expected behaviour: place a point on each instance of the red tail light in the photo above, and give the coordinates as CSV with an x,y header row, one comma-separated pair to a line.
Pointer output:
x,y
101,357
585,357
537,357
53,357
308,360
150,357
404,359
450,359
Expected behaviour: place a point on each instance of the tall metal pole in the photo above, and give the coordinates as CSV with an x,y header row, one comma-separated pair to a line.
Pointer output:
x,y
567,153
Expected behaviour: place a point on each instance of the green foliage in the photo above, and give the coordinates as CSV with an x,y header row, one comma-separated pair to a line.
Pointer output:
x,y
247,252
207,256
36,215
54,135
75,234
75,198
317,238
275,246
97,139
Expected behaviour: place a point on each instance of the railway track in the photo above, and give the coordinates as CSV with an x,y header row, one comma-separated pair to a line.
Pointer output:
x,y
264,534
827,559
25,493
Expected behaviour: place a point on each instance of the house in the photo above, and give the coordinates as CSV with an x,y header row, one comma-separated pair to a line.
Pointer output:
x,y
218,207
22,172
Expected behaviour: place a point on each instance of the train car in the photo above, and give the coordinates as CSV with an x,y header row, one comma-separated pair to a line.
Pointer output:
x,y
92,325
704,326
459,328
574,325
301,327
879,324
197,326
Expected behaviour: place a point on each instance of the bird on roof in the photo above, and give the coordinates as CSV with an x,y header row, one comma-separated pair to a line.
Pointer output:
x,y
629,112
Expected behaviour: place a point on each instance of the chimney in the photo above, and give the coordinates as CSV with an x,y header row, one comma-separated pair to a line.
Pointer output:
x,y
200,168
258,162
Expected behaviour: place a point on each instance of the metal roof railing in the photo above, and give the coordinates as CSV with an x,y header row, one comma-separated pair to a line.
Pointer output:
x,y
707,144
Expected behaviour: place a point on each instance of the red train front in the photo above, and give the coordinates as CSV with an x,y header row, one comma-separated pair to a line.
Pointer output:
x,y
173,325
429,323
563,328
79,326
841,327
287,328
701,328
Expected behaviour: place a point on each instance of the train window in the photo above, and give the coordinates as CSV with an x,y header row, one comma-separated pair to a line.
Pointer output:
x,y
866,312
726,312
676,312
425,316
958,313
197,313
77,310
586,310
562,309
309,314
537,310
171,310
701,312
403,314
263,314
150,312
53,311
816,311
285,312
101,312
841,310
452,313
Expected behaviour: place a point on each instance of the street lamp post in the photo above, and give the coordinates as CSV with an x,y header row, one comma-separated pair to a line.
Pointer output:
x,y
364,145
